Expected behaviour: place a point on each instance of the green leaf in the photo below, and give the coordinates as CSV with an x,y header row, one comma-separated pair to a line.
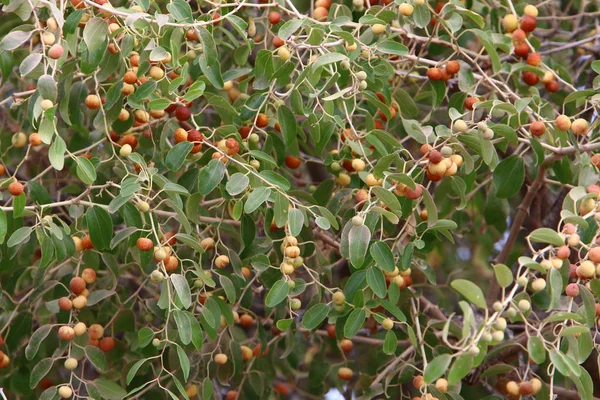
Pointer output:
x,y
327,59
237,183
134,369
388,198
108,390
183,289
461,368
3,226
289,27
40,370
210,176
95,34
509,176
181,11
209,60
546,235
314,316
19,236
295,221
96,357
36,340
354,322
276,180
504,275
184,361
184,328
56,153
145,336
85,170
289,128
382,254
376,281
437,368
277,293
256,198
177,155
470,291
390,343
390,46
358,238
100,227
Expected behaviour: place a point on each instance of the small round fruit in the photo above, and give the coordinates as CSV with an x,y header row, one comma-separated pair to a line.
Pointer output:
x,y
387,324
406,9
142,206
377,29
339,298
130,77
80,328
66,333
524,305
274,17
292,162
46,104
441,385
156,72
519,35
551,86
460,126
64,303
292,251
345,373
56,51
88,275
183,113
295,304
345,344
528,23
534,59
530,10
71,363
220,358
106,344
16,188
358,164
283,53
572,290
470,102
65,392
93,102
512,388
536,385
207,244
452,67
357,220
418,382
156,276
77,285
247,353
580,126
144,244
222,261
530,78
320,13
563,123
125,150
434,74
262,120
537,128
96,331
510,22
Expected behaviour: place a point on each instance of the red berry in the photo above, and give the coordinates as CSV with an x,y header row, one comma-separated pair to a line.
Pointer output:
x,y
292,162
182,113
530,78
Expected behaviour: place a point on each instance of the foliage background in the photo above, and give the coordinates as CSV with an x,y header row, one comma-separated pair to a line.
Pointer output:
x,y
283,109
